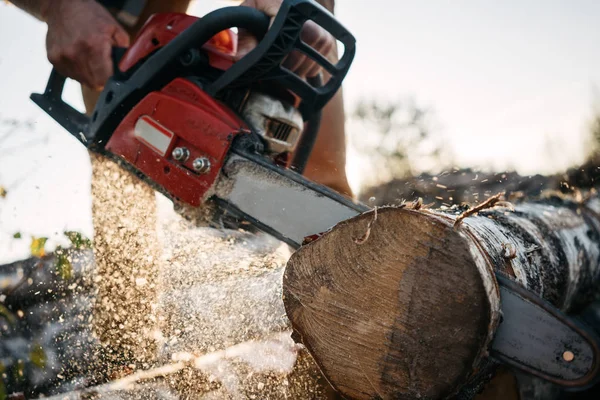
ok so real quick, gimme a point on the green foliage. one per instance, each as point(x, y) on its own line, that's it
point(17, 235)
point(37, 356)
point(595, 128)
point(593, 139)
point(38, 246)
point(64, 268)
point(8, 315)
point(3, 394)
point(595, 133)
point(78, 240)
point(19, 371)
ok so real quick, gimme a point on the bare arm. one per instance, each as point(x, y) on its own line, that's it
point(80, 36)
point(327, 164)
point(328, 4)
point(37, 8)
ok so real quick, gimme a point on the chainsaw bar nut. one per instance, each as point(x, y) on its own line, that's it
point(201, 165)
point(180, 154)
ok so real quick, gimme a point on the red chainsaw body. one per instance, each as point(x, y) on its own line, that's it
point(160, 29)
point(180, 115)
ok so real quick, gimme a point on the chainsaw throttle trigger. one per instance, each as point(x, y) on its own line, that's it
point(264, 63)
point(117, 54)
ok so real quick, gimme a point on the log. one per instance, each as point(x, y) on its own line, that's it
point(402, 302)
point(470, 186)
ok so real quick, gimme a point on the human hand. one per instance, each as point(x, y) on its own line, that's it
point(81, 34)
point(312, 34)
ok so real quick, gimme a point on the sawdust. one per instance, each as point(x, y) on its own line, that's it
point(169, 285)
point(198, 216)
point(126, 252)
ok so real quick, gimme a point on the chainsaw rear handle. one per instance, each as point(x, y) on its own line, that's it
point(52, 103)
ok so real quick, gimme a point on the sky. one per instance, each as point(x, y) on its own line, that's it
point(511, 85)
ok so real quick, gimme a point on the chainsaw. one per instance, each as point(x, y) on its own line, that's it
point(201, 128)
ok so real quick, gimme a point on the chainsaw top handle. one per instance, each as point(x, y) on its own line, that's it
point(123, 91)
point(264, 63)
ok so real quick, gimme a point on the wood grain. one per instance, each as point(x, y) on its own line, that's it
point(403, 315)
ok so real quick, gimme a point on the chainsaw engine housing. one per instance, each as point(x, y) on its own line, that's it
point(179, 136)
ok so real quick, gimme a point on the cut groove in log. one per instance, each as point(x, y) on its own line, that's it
point(410, 311)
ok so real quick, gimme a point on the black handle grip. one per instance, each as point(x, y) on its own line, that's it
point(264, 62)
point(116, 55)
point(52, 103)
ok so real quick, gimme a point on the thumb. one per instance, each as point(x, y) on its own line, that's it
point(120, 37)
point(246, 43)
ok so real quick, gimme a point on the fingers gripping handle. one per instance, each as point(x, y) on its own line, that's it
point(52, 103)
point(116, 55)
point(265, 61)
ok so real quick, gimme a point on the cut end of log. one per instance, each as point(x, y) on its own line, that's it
point(402, 314)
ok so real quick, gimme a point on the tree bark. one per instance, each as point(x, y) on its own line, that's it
point(402, 302)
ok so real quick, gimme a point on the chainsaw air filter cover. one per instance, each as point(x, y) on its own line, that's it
point(279, 124)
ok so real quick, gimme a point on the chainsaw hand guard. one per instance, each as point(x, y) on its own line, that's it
point(52, 103)
point(264, 63)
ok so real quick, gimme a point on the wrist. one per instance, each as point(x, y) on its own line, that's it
point(45, 6)
point(328, 4)
point(48, 7)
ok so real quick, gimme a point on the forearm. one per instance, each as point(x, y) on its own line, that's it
point(37, 8)
point(328, 4)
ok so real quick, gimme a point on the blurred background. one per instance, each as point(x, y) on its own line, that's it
point(436, 87)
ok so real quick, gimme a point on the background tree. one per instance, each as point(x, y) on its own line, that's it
point(398, 138)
